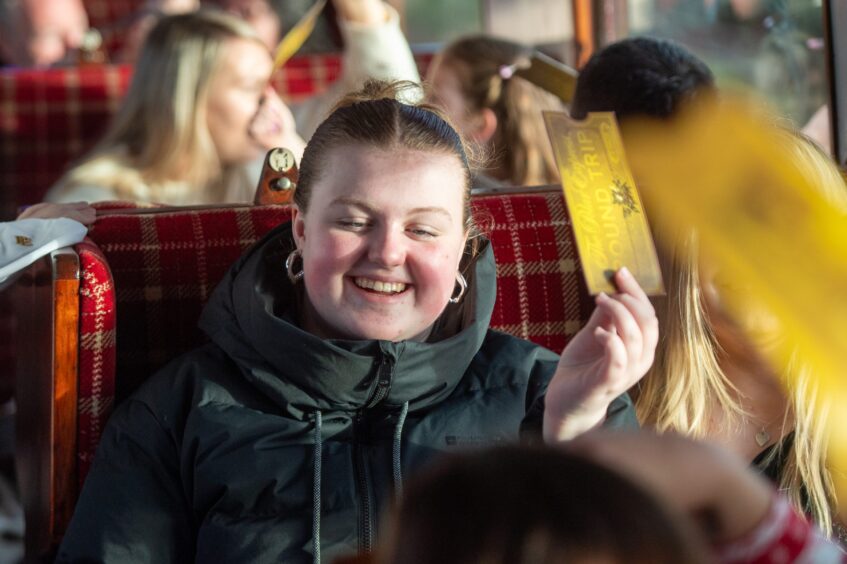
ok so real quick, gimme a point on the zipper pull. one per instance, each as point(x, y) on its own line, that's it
point(384, 376)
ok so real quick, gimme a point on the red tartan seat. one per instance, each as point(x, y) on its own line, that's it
point(146, 274)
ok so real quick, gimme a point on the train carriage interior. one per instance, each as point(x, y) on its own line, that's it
point(203, 136)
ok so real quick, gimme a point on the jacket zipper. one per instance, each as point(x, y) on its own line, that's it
point(385, 375)
point(365, 517)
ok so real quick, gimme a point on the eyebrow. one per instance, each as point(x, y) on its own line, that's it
point(372, 210)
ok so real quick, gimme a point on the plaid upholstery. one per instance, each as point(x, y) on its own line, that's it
point(96, 351)
point(541, 294)
point(47, 118)
point(50, 117)
point(165, 265)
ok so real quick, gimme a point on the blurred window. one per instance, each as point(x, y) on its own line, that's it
point(774, 46)
point(440, 21)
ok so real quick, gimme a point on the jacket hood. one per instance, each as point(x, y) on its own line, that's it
point(251, 314)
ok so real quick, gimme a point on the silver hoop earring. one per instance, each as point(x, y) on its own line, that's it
point(463, 286)
point(289, 266)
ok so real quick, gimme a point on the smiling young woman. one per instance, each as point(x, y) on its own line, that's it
point(348, 348)
point(386, 253)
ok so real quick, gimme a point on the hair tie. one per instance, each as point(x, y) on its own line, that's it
point(507, 71)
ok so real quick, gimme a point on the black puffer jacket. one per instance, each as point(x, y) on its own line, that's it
point(214, 458)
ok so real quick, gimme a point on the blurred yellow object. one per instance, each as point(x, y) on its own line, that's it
point(722, 170)
point(298, 35)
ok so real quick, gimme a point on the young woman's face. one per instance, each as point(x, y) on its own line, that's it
point(235, 94)
point(381, 243)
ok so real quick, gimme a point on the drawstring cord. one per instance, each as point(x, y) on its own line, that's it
point(316, 490)
point(398, 436)
point(316, 494)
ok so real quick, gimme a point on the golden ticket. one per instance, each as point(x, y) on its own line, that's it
point(608, 218)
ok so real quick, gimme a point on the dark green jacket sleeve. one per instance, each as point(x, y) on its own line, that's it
point(620, 415)
point(132, 507)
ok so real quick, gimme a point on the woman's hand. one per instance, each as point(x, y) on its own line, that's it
point(80, 211)
point(716, 489)
point(607, 357)
point(273, 125)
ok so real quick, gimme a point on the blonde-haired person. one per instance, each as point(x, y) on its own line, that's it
point(199, 111)
point(710, 378)
point(473, 78)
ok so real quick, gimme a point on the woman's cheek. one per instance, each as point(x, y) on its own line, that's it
point(329, 255)
point(439, 275)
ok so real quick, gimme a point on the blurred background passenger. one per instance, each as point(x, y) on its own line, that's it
point(198, 112)
point(40, 32)
point(473, 79)
point(610, 497)
point(521, 505)
point(374, 47)
point(710, 379)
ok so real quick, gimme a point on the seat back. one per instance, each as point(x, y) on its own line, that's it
point(48, 117)
point(146, 274)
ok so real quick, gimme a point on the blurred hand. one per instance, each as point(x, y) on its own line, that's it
point(273, 125)
point(607, 357)
point(722, 495)
point(79, 211)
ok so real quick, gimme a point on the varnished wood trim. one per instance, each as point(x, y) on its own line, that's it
point(583, 30)
point(46, 308)
point(65, 369)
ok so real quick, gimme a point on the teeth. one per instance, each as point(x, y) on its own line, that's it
point(377, 286)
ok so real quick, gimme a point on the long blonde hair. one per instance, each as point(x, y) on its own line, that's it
point(687, 384)
point(158, 143)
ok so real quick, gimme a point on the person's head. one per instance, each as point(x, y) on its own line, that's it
point(472, 79)
point(40, 32)
point(640, 76)
point(258, 13)
point(382, 216)
point(531, 505)
point(198, 83)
